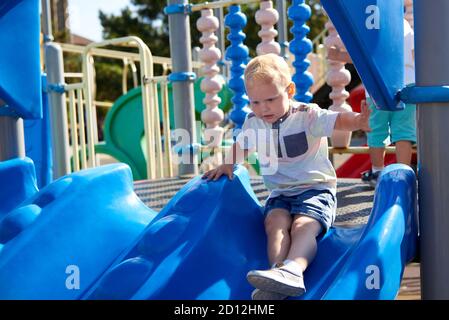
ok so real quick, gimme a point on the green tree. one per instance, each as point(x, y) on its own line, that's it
point(146, 19)
point(317, 20)
point(151, 24)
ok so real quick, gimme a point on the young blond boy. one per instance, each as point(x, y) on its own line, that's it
point(302, 203)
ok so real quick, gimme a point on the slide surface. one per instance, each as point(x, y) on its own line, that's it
point(56, 242)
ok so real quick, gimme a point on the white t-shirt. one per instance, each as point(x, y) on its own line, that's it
point(409, 47)
point(409, 61)
point(293, 151)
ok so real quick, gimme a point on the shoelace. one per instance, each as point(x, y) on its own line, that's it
point(278, 265)
point(281, 270)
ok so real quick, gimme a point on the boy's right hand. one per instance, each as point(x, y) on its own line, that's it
point(216, 173)
point(364, 116)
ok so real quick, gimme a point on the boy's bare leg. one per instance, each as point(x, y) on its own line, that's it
point(377, 156)
point(277, 228)
point(404, 152)
point(287, 280)
point(303, 233)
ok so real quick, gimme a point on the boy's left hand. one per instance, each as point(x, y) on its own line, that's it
point(363, 117)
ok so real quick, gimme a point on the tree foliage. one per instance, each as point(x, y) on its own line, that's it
point(146, 19)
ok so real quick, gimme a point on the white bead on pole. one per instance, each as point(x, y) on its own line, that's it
point(212, 83)
point(267, 17)
point(338, 77)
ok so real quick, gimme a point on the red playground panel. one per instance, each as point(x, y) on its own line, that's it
point(356, 96)
point(358, 163)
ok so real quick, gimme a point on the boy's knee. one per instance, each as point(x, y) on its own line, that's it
point(306, 224)
point(277, 219)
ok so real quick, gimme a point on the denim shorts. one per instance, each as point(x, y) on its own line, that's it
point(320, 205)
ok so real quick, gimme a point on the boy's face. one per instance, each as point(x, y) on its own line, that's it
point(269, 101)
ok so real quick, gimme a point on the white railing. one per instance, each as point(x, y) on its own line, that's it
point(77, 126)
point(81, 104)
point(167, 161)
point(118, 54)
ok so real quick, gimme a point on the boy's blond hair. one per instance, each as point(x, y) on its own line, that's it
point(268, 68)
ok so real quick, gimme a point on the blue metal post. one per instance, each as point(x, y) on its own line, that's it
point(300, 46)
point(237, 52)
point(282, 26)
point(54, 65)
point(184, 108)
point(57, 110)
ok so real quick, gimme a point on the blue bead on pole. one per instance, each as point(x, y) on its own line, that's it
point(237, 52)
point(300, 46)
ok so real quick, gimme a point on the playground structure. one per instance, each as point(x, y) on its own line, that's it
point(77, 142)
point(124, 133)
point(153, 260)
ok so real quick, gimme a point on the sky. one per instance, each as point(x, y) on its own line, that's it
point(84, 19)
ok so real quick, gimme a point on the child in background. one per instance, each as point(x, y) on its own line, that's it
point(400, 125)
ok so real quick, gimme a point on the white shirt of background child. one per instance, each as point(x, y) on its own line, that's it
point(409, 61)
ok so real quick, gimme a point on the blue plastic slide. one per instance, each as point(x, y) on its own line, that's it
point(56, 242)
point(202, 244)
point(18, 183)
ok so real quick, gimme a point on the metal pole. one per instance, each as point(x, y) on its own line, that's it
point(12, 142)
point(432, 69)
point(46, 21)
point(180, 48)
point(221, 37)
point(58, 112)
point(282, 26)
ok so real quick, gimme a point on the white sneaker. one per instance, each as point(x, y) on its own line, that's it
point(279, 280)
point(258, 294)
